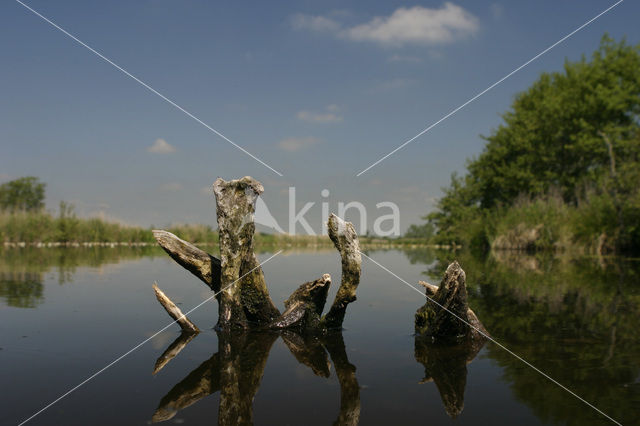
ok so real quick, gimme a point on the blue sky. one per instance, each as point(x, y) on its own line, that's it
point(317, 90)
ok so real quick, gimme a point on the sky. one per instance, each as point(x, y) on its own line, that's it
point(318, 91)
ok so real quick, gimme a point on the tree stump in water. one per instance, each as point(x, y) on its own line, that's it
point(243, 297)
point(304, 306)
point(448, 337)
point(245, 308)
point(344, 237)
point(446, 315)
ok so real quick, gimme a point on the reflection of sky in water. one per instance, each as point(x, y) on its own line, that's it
point(83, 317)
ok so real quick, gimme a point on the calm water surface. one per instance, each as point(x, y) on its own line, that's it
point(66, 313)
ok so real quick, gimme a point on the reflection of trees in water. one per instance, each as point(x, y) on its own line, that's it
point(22, 270)
point(420, 255)
point(237, 368)
point(21, 289)
point(574, 318)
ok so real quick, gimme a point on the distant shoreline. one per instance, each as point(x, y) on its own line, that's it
point(289, 243)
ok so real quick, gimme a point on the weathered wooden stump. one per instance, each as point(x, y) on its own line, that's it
point(448, 333)
point(304, 306)
point(448, 337)
point(344, 237)
point(446, 315)
point(243, 297)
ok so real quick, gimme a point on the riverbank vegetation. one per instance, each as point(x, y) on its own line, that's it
point(562, 171)
point(43, 228)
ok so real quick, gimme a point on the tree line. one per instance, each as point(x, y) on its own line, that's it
point(562, 170)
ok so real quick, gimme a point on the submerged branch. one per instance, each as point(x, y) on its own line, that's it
point(174, 312)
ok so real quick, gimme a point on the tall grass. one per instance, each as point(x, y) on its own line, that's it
point(43, 227)
point(598, 222)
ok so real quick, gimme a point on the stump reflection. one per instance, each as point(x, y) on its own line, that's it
point(446, 366)
point(237, 368)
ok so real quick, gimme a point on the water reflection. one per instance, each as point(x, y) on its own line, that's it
point(21, 289)
point(574, 318)
point(22, 270)
point(237, 368)
point(446, 366)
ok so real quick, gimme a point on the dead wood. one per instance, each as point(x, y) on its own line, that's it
point(446, 314)
point(198, 262)
point(174, 312)
point(344, 237)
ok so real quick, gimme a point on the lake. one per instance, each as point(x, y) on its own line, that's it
point(65, 313)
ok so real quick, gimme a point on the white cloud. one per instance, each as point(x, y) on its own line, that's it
point(297, 144)
point(330, 115)
point(160, 146)
point(171, 187)
point(415, 25)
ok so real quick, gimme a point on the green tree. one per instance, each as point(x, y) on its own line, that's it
point(67, 223)
point(552, 136)
point(562, 135)
point(23, 194)
point(424, 232)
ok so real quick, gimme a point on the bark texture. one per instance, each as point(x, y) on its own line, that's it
point(450, 316)
point(243, 299)
point(444, 344)
point(198, 262)
point(258, 306)
point(304, 306)
point(237, 278)
point(345, 239)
